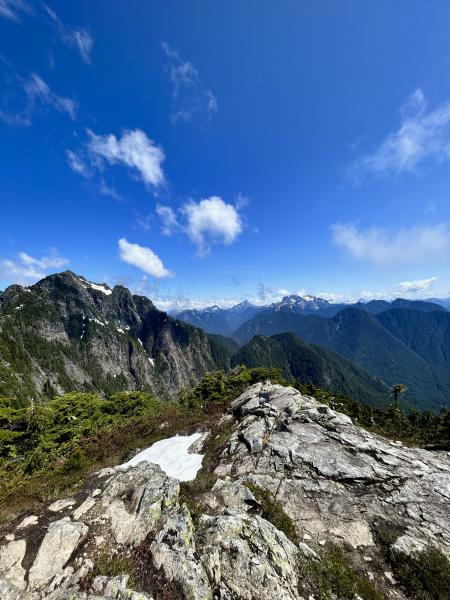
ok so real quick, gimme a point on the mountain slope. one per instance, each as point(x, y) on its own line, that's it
point(427, 334)
point(362, 338)
point(378, 306)
point(65, 333)
point(312, 364)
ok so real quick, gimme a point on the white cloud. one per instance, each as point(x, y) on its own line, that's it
point(77, 164)
point(416, 287)
point(190, 97)
point(168, 218)
point(108, 190)
point(284, 292)
point(212, 221)
point(142, 258)
point(80, 39)
point(207, 222)
point(39, 93)
point(132, 149)
point(382, 247)
point(11, 9)
point(53, 261)
point(332, 297)
point(423, 137)
point(29, 95)
point(28, 269)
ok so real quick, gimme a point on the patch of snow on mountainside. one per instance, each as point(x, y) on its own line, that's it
point(101, 288)
point(96, 286)
point(172, 456)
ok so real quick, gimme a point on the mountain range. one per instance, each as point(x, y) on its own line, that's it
point(225, 321)
point(396, 345)
point(66, 333)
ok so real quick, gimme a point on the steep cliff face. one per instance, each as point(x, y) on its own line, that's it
point(302, 504)
point(65, 333)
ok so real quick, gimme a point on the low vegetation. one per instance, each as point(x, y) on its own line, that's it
point(272, 511)
point(424, 576)
point(48, 449)
point(334, 576)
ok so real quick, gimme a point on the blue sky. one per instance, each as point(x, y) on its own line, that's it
point(204, 152)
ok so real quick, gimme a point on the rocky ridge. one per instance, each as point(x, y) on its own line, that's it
point(65, 333)
point(336, 482)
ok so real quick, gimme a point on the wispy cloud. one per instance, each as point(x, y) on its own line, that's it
point(416, 287)
point(132, 149)
point(23, 97)
point(77, 38)
point(12, 9)
point(143, 258)
point(39, 92)
point(77, 165)
point(169, 221)
point(382, 246)
point(190, 97)
point(422, 138)
point(207, 222)
point(27, 269)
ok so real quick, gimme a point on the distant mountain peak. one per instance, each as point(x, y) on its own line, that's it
point(295, 302)
point(242, 305)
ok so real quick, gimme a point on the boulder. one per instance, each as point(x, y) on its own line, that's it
point(58, 545)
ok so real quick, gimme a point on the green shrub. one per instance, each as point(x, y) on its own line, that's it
point(76, 461)
point(425, 576)
point(272, 511)
point(335, 577)
point(112, 565)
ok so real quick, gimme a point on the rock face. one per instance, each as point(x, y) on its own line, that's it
point(332, 478)
point(65, 333)
point(337, 482)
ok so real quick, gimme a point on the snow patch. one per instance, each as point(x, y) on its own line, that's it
point(99, 322)
point(100, 288)
point(140, 341)
point(95, 286)
point(172, 456)
point(120, 330)
point(151, 360)
point(19, 307)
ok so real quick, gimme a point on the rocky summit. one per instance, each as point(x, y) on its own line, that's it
point(301, 498)
point(66, 333)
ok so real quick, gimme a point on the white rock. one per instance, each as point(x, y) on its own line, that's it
point(31, 520)
point(83, 508)
point(61, 504)
point(307, 551)
point(60, 541)
point(389, 576)
point(11, 557)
